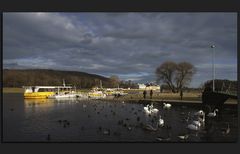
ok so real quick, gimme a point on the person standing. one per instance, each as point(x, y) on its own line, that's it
point(151, 93)
point(144, 94)
point(181, 94)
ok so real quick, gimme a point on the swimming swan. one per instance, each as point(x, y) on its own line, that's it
point(167, 105)
point(160, 122)
point(213, 114)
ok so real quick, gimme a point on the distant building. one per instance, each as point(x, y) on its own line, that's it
point(156, 87)
point(141, 86)
point(149, 86)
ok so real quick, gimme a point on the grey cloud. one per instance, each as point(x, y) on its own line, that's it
point(120, 43)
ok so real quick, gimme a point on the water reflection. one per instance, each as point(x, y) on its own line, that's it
point(38, 103)
point(98, 120)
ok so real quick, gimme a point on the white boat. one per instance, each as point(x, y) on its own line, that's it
point(64, 92)
point(96, 94)
point(63, 95)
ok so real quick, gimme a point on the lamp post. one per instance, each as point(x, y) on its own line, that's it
point(213, 67)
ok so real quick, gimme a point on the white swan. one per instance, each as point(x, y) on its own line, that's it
point(183, 137)
point(160, 122)
point(149, 109)
point(197, 123)
point(226, 131)
point(199, 113)
point(155, 110)
point(193, 127)
point(167, 105)
point(213, 114)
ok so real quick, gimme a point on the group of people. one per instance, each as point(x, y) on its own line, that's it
point(151, 94)
point(145, 93)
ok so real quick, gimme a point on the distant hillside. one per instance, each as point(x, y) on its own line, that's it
point(19, 78)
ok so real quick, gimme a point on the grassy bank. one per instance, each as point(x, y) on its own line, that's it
point(13, 90)
point(137, 95)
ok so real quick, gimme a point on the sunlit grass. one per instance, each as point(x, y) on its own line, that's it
point(13, 90)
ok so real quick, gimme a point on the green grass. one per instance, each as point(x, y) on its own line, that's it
point(13, 90)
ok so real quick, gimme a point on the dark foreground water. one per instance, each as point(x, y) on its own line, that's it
point(107, 121)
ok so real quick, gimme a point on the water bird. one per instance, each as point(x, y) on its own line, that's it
point(197, 123)
point(167, 105)
point(149, 109)
point(160, 122)
point(168, 138)
point(60, 121)
point(226, 131)
point(138, 118)
point(150, 127)
point(213, 114)
point(199, 113)
point(106, 132)
point(129, 128)
point(48, 137)
point(84, 106)
point(193, 127)
point(183, 137)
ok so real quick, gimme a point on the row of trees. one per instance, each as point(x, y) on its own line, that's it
point(19, 78)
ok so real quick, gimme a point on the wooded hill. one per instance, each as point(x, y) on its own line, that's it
point(45, 77)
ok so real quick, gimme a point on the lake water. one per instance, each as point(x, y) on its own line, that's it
point(46, 120)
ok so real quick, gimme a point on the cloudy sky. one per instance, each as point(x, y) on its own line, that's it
point(130, 45)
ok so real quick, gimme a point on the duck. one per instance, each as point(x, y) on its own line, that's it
point(48, 137)
point(213, 114)
point(160, 122)
point(167, 105)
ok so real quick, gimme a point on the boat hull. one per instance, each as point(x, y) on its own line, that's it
point(37, 95)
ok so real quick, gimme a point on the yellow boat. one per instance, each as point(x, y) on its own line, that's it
point(42, 91)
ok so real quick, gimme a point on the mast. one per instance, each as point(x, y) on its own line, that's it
point(101, 84)
point(64, 83)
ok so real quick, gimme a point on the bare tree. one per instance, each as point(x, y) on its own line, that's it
point(184, 74)
point(176, 76)
point(166, 73)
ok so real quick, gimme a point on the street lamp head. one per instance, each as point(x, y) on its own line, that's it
point(212, 46)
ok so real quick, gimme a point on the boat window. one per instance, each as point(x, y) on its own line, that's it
point(41, 90)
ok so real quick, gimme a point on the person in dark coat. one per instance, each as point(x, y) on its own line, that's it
point(181, 94)
point(151, 93)
point(144, 94)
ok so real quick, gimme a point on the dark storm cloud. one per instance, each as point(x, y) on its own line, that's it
point(130, 45)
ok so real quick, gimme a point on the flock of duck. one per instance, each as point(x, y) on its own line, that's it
point(156, 116)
